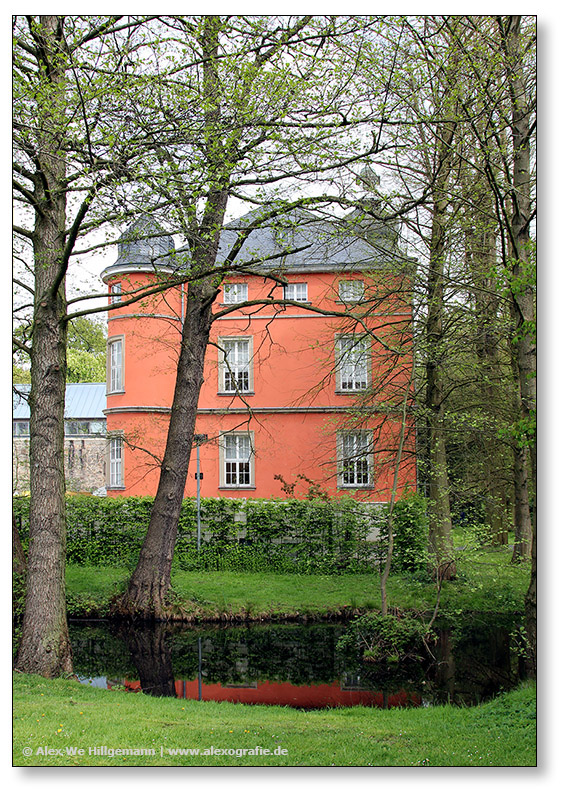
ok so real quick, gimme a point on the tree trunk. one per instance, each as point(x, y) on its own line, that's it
point(522, 513)
point(439, 511)
point(146, 593)
point(45, 646)
point(531, 612)
point(522, 281)
point(390, 518)
point(481, 254)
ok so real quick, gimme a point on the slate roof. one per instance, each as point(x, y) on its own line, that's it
point(144, 243)
point(355, 242)
point(297, 240)
point(83, 401)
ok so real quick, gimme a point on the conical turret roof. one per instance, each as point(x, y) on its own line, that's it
point(144, 241)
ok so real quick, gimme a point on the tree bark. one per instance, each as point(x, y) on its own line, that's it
point(481, 256)
point(439, 511)
point(146, 593)
point(45, 646)
point(522, 522)
point(148, 586)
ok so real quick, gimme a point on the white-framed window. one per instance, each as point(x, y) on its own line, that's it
point(234, 293)
point(352, 362)
point(21, 428)
point(237, 460)
point(116, 471)
point(351, 290)
point(296, 291)
point(115, 293)
point(355, 458)
point(115, 363)
point(235, 364)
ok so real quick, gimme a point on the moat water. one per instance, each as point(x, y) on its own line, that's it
point(294, 664)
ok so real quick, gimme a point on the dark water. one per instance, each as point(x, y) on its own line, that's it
point(294, 665)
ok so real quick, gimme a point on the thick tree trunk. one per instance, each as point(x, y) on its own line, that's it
point(146, 593)
point(45, 646)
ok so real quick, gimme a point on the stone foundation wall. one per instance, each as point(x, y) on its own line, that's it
point(84, 462)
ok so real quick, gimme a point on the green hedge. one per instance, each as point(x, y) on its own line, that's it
point(281, 535)
point(411, 534)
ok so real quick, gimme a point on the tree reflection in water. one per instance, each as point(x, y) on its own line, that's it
point(297, 665)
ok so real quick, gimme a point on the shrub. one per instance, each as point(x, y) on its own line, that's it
point(386, 637)
point(410, 529)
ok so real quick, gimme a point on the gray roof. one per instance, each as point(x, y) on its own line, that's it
point(145, 242)
point(297, 240)
point(355, 242)
point(83, 401)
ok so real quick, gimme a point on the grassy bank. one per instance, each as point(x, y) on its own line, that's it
point(486, 582)
point(56, 715)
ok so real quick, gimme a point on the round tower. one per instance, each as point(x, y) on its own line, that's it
point(144, 327)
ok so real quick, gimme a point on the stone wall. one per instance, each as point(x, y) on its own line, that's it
point(84, 460)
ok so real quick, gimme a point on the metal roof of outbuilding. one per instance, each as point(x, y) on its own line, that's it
point(83, 401)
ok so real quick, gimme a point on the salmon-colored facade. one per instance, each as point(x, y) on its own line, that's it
point(283, 382)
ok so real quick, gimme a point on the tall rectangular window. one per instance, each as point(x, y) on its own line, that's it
point(115, 363)
point(115, 293)
point(237, 460)
point(351, 290)
point(352, 362)
point(235, 363)
point(116, 478)
point(235, 293)
point(355, 458)
point(296, 291)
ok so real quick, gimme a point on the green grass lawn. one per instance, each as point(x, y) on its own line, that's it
point(487, 581)
point(53, 717)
